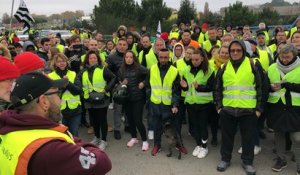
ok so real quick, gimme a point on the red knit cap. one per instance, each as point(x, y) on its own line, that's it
point(164, 36)
point(204, 26)
point(28, 62)
point(8, 70)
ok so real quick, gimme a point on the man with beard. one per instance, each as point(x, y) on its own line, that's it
point(187, 40)
point(31, 134)
point(114, 62)
point(212, 41)
point(145, 49)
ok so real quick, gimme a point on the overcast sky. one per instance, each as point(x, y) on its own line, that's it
point(56, 6)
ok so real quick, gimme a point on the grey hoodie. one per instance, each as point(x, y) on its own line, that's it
point(174, 58)
point(27, 44)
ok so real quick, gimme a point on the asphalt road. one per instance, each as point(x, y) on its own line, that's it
point(133, 161)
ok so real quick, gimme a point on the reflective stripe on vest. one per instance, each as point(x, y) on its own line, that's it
point(98, 82)
point(291, 77)
point(18, 147)
point(161, 91)
point(67, 98)
point(239, 87)
point(192, 96)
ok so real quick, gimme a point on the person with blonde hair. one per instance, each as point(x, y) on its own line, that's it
point(70, 95)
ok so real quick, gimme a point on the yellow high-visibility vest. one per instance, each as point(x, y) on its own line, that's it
point(161, 91)
point(239, 87)
point(291, 77)
point(207, 45)
point(98, 82)
point(18, 147)
point(192, 96)
point(67, 99)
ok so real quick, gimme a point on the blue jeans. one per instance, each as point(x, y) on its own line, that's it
point(72, 123)
point(149, 111)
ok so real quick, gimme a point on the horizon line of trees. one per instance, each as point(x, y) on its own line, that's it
point(109, 14)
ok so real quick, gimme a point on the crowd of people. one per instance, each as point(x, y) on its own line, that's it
point(206, 76)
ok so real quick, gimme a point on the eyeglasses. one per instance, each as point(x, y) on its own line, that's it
point(236, 50)
point(50, 93)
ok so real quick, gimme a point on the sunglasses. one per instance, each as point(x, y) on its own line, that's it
point(236, 50)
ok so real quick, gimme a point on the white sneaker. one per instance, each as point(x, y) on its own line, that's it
point(95, 141)
point(103, 144)
point(196, 151)
point(150, 135)
point(240, 151)
point(145, 146)
point(111, 106)
point(257, 150)
point(203, 152)
point(132, 142)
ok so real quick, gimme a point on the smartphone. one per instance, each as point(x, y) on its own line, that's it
point(78, 46)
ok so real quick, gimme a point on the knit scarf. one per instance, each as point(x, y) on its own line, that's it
point(219, 61)
point(285, 69)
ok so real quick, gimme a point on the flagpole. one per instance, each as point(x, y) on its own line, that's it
point(11, 17)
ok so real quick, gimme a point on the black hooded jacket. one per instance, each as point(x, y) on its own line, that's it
point(134, 76)
point(218, 92)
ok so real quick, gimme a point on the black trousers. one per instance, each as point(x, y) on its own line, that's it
point(247, 127)
point(180, 116)
point(83, 113)
point(99, 118)
point(199, 120)
point(134, 113)
point(214, 121)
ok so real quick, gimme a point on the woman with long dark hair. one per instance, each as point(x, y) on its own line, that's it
point(97, 81)
point(133, 75)
point(198, 80)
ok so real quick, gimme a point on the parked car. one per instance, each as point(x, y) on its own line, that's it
point(65, 34)
point(23, 37)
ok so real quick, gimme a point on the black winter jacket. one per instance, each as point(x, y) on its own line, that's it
point(218, 92)
point(134, 76)
point(114, 61)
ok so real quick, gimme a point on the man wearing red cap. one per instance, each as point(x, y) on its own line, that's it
point(203, 34)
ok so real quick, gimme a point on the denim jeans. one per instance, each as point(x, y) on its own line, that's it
point(72, 123)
